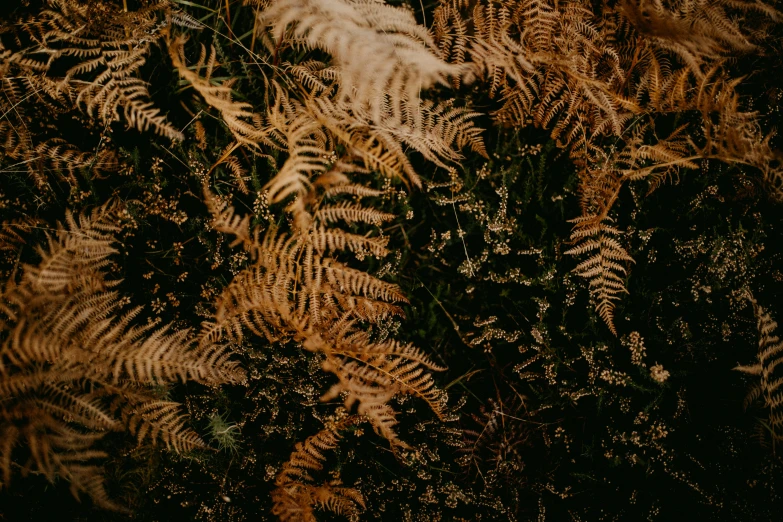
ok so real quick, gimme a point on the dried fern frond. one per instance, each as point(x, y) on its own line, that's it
point(378, 49)
point(110, 46)
point(436, 130)
point(293, 280)
point(351, 213)
point(307, 158)
point(50, 156)
point(74, 366)
point(79, 249)
point(296, 496)
point(599, 75)
point(161, 421)
point(12, 233)
point(698, 34)
point(604, 175)
point(291, 285)
point(733, 135)
point(371, 373)
point(770, 385)
point(369, 97)
point(233, 165)
point(604, 268)
point(247, 127)
point(297, 290)
point(315, 76)
point(569, 66)
point(22, 151)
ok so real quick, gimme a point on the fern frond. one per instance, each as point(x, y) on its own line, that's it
point(604, 268)
point(164, 421)
point(352, 213)
point(13, 232)
point(296, 289)
point(375, 46)
point(436, 130)
point(70, 356)
point(226, 221)
point(770, 386)
point(307, 158)
point(295, 496)
point(335, 239)
point(110, 46)
point(246, 126)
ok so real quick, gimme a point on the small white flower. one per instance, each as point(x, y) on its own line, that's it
point(658, 373)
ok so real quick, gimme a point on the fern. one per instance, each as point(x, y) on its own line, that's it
point(569, 67)
point(376, 48)
point(769, 389)
point(111, 47)
point(246, 126)
point(296, 290)
point(604, 267)
point(71, 358)
point(436, 130)
point(296, 496)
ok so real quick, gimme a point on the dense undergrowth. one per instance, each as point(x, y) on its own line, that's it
point(493, 382)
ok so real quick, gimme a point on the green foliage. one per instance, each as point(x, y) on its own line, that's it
point(224, 433)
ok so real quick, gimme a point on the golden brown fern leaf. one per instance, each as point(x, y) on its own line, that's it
point(77, 251)
point(23, 150)
point(296, 289)
point(231, 163)
point(111, 46)
point(365, 101)
point(603, 175)
point(74, 366)
point(436, 130)
point(247, 127)
point(371, 373)
point(350, 212)
point(66, 161)
point(379, 49)
point(292, 286)
point(307, 158)
point(315, 76)
point(12, 233)
point(770, 385)
point(602, 178)
point(698, 32)
point(559, 64)
point(258, 298)
point(604, 268)
point(542, 57)
point(294, 281)
point(599, 76)
point(378, 125)
point(297, 496)
point(452, 34)
point(163, 421)
point(496, 52)
point(374, 119)
point(733, 135)
point(378, 151)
